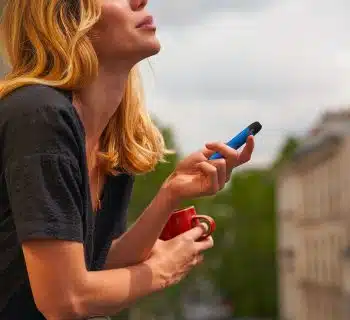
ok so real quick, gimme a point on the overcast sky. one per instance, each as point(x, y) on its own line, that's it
point(227, 63)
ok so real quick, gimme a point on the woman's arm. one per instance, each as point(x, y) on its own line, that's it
point(64, 289)
point(135, 245)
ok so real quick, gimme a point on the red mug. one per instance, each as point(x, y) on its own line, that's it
point(185, 219)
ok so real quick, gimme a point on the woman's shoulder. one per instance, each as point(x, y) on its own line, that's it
point(30, 98)
point(36, 91)
point(39, 104)
point(38, 119)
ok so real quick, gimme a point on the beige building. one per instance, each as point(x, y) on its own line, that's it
point(313, 197)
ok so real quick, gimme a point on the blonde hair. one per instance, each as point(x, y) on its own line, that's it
point(47, 42)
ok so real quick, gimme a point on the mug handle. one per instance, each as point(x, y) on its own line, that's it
point(209, 221)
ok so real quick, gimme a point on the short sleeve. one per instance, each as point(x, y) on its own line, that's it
point(43, 179)
point(45, 198)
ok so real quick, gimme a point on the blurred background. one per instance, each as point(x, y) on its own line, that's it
point(282, 244)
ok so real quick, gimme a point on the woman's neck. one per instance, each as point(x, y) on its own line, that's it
point(97, 102)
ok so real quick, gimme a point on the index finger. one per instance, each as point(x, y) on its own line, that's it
point(204, 244)
point(247, 151)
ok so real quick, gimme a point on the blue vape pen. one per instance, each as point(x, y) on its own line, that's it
point(241, 138)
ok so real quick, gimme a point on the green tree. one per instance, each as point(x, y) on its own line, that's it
point(242, 264)
point(287, 150)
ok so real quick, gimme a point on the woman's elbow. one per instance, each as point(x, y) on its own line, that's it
point(60, 308)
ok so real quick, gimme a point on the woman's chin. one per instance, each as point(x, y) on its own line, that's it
point(152, 48)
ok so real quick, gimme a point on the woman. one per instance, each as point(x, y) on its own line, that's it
point(74, 133)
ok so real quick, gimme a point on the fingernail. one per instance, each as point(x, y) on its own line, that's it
point(205, 226)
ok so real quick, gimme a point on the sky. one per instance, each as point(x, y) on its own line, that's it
point(227, 63)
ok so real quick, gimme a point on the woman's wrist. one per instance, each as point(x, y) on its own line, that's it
point(169, 195)
point(159, 279)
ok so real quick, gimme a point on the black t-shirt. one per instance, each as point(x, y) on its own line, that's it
point(44, 190)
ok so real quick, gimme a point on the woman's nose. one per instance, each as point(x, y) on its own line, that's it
point(138, 4)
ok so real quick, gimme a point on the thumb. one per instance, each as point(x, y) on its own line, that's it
point(196, 232)
point(207, 152)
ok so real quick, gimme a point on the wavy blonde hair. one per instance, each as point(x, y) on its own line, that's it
point(47, 42)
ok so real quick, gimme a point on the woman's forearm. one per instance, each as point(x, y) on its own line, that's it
point(135, 245)
point(108, 292)
point(64, 289)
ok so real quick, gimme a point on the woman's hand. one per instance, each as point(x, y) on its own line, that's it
point(196, 176)
point(172, 260)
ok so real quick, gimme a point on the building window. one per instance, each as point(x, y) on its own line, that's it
point(323, 274)
point(332, 259)
point(315, 260)
point(307, 259)
point(325, 191)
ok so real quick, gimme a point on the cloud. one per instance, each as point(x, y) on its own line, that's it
point(183, 13)
point(281, 63)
